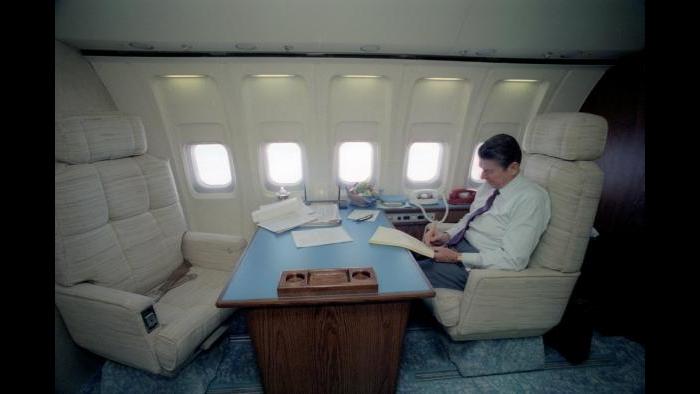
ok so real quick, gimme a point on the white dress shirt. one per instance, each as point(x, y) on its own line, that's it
point(507, 234)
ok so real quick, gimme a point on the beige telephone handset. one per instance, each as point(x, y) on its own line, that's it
point(424, 197)
point(428, 197)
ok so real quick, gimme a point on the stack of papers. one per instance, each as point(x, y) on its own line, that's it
point(328, 213)
point(284, 215)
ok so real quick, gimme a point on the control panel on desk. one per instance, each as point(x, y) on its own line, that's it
point(406, 217)
point(413, 215)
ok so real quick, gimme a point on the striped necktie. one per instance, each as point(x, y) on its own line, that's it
point(458, 237)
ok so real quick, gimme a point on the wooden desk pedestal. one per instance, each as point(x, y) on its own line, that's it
point(331, 348)
point(327, 319)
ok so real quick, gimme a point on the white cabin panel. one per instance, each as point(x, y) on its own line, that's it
point(194, 112)
point(276, 109)
point(357, 103)
point(437, 114)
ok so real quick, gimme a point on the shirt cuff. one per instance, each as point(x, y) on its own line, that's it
point(471, 259)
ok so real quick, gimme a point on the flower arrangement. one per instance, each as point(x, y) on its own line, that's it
point(362, 194)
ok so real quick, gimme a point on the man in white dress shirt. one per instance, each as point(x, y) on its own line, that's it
point(504, 225)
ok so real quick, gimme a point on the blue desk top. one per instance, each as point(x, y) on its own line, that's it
point(254, 282)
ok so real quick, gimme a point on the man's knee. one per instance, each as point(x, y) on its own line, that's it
point(426, 265)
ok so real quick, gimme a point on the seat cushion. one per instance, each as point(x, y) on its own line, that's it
point(445, 306)
point(118, 223)
point(187, 315)
point(574, 190)
point(91, 138)
point(566, 135)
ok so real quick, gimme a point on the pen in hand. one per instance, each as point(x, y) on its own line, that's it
point(431, 236)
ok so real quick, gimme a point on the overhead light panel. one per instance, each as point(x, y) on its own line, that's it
point(183, 76)
point(444, 79)
point(521, 80)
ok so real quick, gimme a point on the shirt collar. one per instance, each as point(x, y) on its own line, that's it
point(511, 186)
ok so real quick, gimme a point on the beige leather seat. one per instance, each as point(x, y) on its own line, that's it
point(119, 233)
point(559, 152)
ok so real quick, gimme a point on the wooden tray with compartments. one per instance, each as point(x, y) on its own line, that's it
point(299, 283)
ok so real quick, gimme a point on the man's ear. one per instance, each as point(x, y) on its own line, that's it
point(513, 167)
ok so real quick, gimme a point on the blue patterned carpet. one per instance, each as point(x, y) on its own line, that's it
point(431, 363)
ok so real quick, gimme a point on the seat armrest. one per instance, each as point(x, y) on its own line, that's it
point(93, 313)
point(498, 300)
point(500, 283)
point(121, 303)
point(476, 275)
point(214, 251)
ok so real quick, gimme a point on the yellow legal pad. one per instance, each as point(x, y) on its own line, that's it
point(394, 237)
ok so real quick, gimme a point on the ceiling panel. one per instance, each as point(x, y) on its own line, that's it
point(503, 28)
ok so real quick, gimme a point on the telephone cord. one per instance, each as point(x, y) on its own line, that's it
point(425, 215)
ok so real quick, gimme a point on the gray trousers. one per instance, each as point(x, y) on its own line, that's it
point(448, 275)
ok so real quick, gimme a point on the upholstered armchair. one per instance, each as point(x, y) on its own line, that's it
point(119, 233)
point(559, 149)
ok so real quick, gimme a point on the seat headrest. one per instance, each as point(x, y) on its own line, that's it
point(90, 138)
point(567, 135)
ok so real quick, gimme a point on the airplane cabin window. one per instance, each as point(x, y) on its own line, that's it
point(424, 162)
point(475, 170)
point(211, 166)
point(355, 163)
point(283, 161)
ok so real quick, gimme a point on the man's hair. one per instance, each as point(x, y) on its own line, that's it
point(502, 148)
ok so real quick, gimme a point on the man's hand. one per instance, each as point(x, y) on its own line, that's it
point(433, 237)
point(446, 255)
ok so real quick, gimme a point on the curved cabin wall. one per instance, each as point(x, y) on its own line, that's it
point(77, 89)
point(244, 103)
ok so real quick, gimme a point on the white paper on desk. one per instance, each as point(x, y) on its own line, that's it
point(284, 215)
point(328, 213)
point(360, 213)
point(321, 236)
